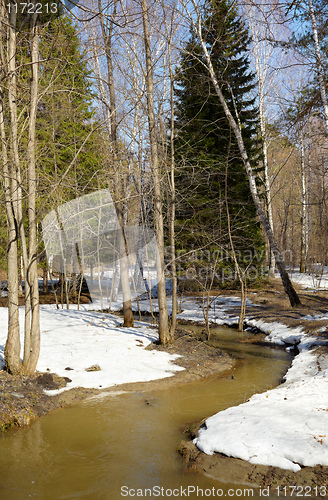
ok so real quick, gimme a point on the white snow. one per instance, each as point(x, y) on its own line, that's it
point(80, 339)
point(219, 312)
point(278, 333)
point(316, 279)
point(285, 427)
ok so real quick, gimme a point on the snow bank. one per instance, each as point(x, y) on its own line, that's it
point(286, 427)
point(318, 279)
point(218, 313)
point(73, 341)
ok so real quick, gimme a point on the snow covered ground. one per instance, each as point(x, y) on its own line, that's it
point(317, 279)
point(219, 311)
point(80, 339)
point(285, 427)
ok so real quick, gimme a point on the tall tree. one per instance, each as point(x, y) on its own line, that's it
point(264, 22)
point(196, 21)
point(165, 335)
point(204, 141)
point(319, 56)
point(310, 39)
point(119, 194)
point(13, 173)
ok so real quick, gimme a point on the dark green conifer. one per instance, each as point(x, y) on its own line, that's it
point(205, 145)
point(66, 115)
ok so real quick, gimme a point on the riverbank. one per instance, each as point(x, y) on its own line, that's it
point(287, 425)
point(267, 307)
point(23, 399)
point(308, 482)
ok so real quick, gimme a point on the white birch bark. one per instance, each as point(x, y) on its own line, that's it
point(262, 52)
point(304, 207)
point(322, 83)
point(13, 196)
point(163, 330)
point(197, 27)
point(32, 330)
point(309, 201)
point(13, 346)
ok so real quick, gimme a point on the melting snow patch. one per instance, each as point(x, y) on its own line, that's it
point(286, 427)
point(81, 339)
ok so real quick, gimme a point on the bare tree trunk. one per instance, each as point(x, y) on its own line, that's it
point(32, 336)
point(124, 270)
point(257, 18)
point(172, 188)
point(45, 280)
point(308, 222)
point(322, 84)
point(115, 280)
point(239, 271)
point(16, 179)
point(289, 289)
point(13, 196)
point(165, 336)
point(13, 346)
point(118, 198)
point(266, 174)
point(304, 207)
point(172, 240)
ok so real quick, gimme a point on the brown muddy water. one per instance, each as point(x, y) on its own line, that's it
point(124, 446)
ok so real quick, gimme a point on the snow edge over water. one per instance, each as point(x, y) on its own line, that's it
point(285, 427)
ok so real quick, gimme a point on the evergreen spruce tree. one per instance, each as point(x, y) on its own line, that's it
point(206, 149)
point(66, 115)
point(66, 119)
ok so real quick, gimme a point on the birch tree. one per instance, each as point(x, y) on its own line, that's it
point(165, 335)
point(12, 177)
point(263, 18)
point(304, 218)
point(319, 64)
point(310, 40)
point(194, 16)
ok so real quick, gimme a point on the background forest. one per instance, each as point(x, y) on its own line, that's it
point(207, 121)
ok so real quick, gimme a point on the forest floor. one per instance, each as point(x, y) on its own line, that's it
point(23, 399)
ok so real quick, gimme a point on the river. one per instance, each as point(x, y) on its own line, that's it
point(118, 446)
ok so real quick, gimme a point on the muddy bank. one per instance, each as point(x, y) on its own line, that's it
point(22, 399)
point(271, 304)
point(310, 481)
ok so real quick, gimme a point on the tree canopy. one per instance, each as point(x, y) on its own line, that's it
point(206, 149)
